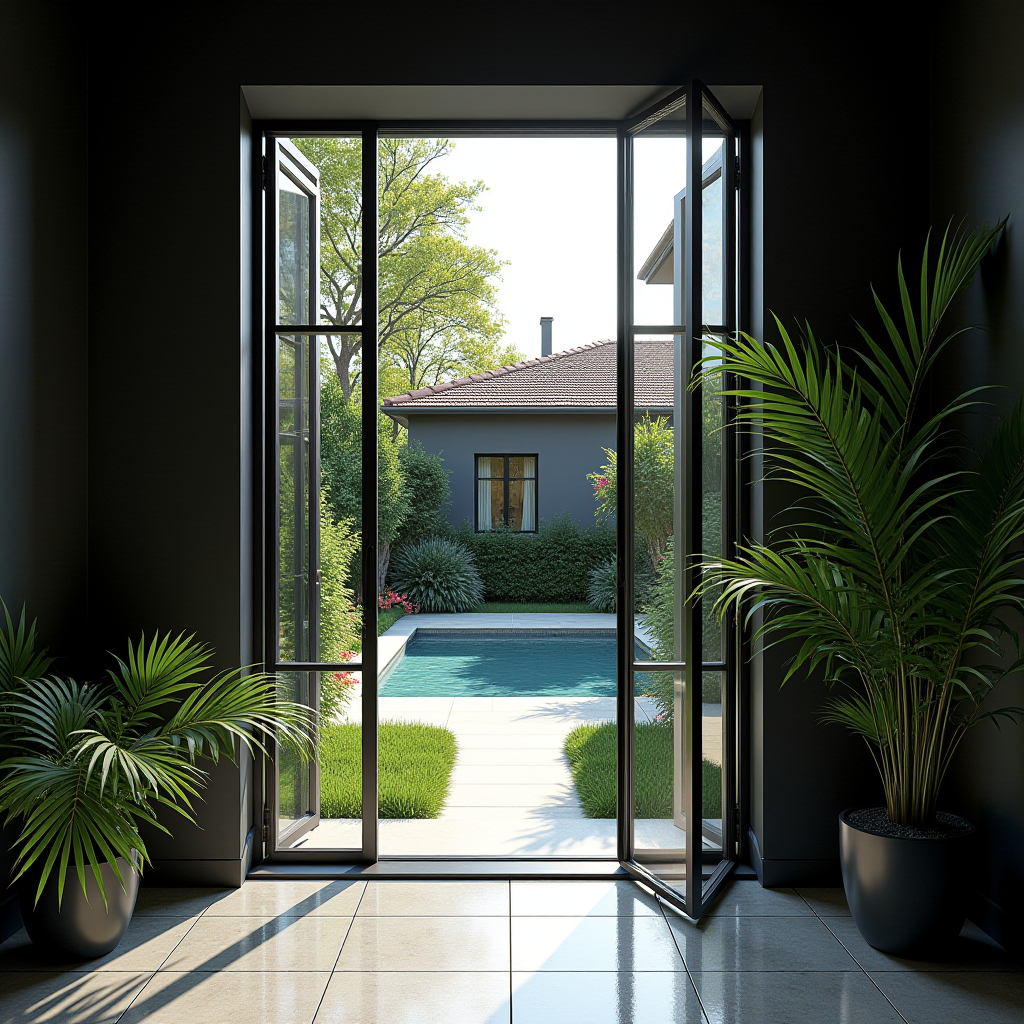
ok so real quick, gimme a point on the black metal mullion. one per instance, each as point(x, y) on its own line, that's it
point(625, 735)
point(370, 844)
point(692, 485)
point(268, 811)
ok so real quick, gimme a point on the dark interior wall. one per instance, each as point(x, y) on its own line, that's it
point(977, 158)
point(43, 320)
point(167, 442)
point(43, 336)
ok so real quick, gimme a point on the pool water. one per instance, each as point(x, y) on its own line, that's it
point(504, 664)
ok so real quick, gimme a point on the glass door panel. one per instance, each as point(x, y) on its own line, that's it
point(318, 583)
point(679, 244)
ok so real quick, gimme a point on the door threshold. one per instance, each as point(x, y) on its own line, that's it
point(432, 869)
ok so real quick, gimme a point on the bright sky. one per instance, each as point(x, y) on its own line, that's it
point(550, 211)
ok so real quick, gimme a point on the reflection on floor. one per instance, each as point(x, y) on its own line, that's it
point(489, 952)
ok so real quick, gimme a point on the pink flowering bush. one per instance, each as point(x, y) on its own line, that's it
point(389, 599)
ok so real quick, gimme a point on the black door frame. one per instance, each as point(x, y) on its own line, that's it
point(693, 898)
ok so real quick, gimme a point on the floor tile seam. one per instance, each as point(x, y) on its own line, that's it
point(170, 952)
point(131, 1002)
point(705, 1016)
point(864, 971)
point(330, 974)
point(511, 986)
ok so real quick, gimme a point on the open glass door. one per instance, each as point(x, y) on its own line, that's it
point(321, 606)
point(677, 288)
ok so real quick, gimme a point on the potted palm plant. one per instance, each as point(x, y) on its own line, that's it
point(897, 581)
point(85, 764)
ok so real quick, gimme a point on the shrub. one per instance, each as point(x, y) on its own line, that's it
point(552, 566)
point(426, 482)
point(438, 574)
point(601, 594)
point(659, 617)
point(654, 484)
point(604, 585)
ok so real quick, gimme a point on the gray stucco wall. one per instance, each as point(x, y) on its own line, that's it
point(567, 446)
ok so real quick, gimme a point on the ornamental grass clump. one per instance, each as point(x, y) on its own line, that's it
point(901, 578)
point(437, 574)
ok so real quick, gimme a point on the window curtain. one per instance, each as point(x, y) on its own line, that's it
point(529, 495)
point(483, 494)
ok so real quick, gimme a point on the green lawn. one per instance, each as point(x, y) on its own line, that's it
point(591, 753)
point(415, 769)
point(386, 619)
point(500, 606)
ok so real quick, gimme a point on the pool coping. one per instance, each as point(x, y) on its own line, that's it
point(392, 642)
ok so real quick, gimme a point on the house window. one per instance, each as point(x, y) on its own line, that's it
point(506, 492)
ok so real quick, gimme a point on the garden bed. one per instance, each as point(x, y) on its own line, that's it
point(415, 770)
point(591, 750)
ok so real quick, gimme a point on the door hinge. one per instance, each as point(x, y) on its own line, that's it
point(736, 172)
point(736, 819)
point(265, 182)
point(266, 823)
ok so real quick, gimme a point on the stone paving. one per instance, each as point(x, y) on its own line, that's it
point(512, 792)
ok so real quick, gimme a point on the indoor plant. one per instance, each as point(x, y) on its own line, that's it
point(86, 763)
point(897, 580)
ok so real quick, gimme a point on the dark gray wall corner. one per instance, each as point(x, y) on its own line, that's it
point(977, 160)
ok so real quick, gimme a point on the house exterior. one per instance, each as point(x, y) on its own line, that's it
point(520, 440)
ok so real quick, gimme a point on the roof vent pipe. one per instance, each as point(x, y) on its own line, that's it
point(545, 335)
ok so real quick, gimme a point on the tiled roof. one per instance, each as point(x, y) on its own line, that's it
point(578, 378)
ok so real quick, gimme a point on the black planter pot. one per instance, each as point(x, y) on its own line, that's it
point(906, 895)
point(83, 928)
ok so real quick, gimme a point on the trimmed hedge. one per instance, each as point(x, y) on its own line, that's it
point(552, 565)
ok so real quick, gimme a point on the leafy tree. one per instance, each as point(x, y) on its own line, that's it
point(429, 494)
point(436, 291)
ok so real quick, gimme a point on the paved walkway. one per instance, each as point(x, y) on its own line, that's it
point(512, 792)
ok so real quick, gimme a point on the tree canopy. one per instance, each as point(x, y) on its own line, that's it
point(436, 292)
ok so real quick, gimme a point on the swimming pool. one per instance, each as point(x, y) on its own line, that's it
point(505, 663)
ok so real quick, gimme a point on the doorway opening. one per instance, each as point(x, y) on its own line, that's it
point(477, 343)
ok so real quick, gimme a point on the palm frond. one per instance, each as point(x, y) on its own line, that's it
point(155, 672)
point(19, 658)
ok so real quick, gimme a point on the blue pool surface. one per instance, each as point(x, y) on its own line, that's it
point(504, 664)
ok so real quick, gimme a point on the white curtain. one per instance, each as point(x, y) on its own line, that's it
point(529, 495)
point(483, 495)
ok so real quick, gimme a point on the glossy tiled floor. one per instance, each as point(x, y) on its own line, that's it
point(494, 952)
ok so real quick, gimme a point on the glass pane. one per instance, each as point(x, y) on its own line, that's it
point(339, 298)
point(294, 584)
point(713, 742)
point(530, 467)
point(294, 790)
point(293, 254)
point(490, 466)
point(659, 180)
point(515, 504)
point(658, 822)
point(713, 232)
point(340, 545)
point(713, 518)
point(516, 467)
point(657, 498)
point(339, 757)
point(659, 192)
point(497, 496)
